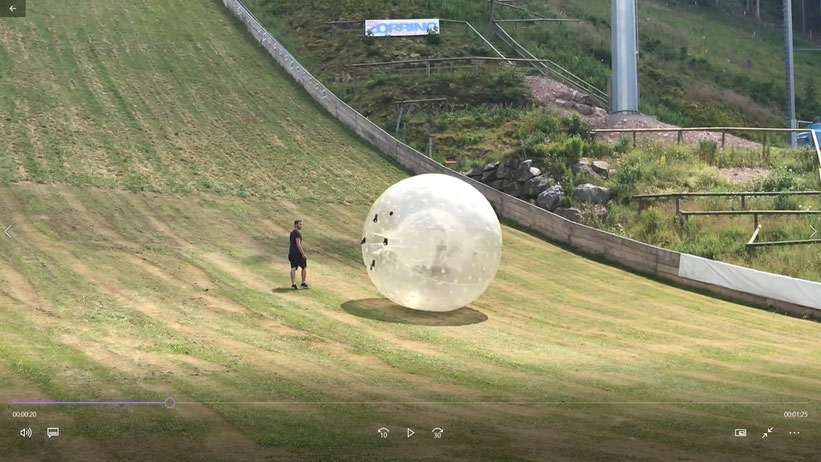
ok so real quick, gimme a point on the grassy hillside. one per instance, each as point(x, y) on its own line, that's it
point(699, 65)
point(153, 160)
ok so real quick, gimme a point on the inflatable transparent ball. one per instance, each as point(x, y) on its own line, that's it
point(432, 242)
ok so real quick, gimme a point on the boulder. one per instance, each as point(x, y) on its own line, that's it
point(488, 176)
point(514, 188)
point(502, 172)
point(572, 214)
point(592, 193)
point(535, 186)
point(491, 166)
point(512, 164)
point(525, 172)
point(579, 165)
point(497, 184)
point(599, 212)
point(549, 198)
point(584, 109)
point(584, 170)
point(582, 98)
point(601, 167)
point(475, 172)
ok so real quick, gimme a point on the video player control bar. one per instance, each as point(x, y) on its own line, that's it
point(12, 8)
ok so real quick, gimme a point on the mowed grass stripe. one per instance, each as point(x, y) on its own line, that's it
point(690, 383)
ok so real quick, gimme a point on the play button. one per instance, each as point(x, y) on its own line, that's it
point(410, 433)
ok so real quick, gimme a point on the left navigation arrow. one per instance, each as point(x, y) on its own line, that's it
point(7, 231)
point(12, 8)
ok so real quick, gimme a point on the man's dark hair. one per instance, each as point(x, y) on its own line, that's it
point(297, 221)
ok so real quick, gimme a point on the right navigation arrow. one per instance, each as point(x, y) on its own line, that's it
point(410, 433)
point(814, 231)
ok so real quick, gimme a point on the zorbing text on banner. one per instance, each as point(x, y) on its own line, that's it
point(400, 27)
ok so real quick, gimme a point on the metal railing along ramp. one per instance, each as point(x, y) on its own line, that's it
point(552, 70)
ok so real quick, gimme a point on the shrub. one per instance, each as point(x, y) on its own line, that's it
point(707, 150)
point(462, 164)
point(573, 149)
point(785, 203)
point(623, 145)
point(575, 126)
point(369, 38)
point(547, 124)
point(507, 78)
point(597, 150)
point(629, 173)
point(433, 37)
point(780, 179)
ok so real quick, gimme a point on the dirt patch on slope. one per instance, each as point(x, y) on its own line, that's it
point(560, 97)
point(742, 174)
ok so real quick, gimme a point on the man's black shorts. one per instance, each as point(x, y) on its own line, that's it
point(298, 261)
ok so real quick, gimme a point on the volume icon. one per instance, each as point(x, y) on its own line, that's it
point(25, 432)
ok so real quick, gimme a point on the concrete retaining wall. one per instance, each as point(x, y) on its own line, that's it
point(637, 256)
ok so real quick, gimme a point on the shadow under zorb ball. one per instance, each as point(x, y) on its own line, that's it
point(432, 242)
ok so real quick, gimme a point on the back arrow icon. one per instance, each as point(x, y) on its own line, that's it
point(7, 231)
point(12, 8)
point(410, 433)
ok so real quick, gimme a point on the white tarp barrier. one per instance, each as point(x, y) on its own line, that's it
point(774, 286)
point(400, 27)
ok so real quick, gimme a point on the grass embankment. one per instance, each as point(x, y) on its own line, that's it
point(655, 167)
point(480, 135)
point(153, 163)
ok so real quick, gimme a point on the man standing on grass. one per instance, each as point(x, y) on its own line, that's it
point(296, 255)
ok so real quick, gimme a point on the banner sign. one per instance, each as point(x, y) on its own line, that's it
point(400, 27)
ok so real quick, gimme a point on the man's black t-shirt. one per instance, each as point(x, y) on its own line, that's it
point(294, 250)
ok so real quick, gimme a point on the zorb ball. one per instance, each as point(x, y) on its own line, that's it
point(432, 242)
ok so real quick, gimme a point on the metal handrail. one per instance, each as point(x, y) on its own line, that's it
point(452, 58)
point(726, 194)
point(569, 77)
point(750, 212)
point(700, 129)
